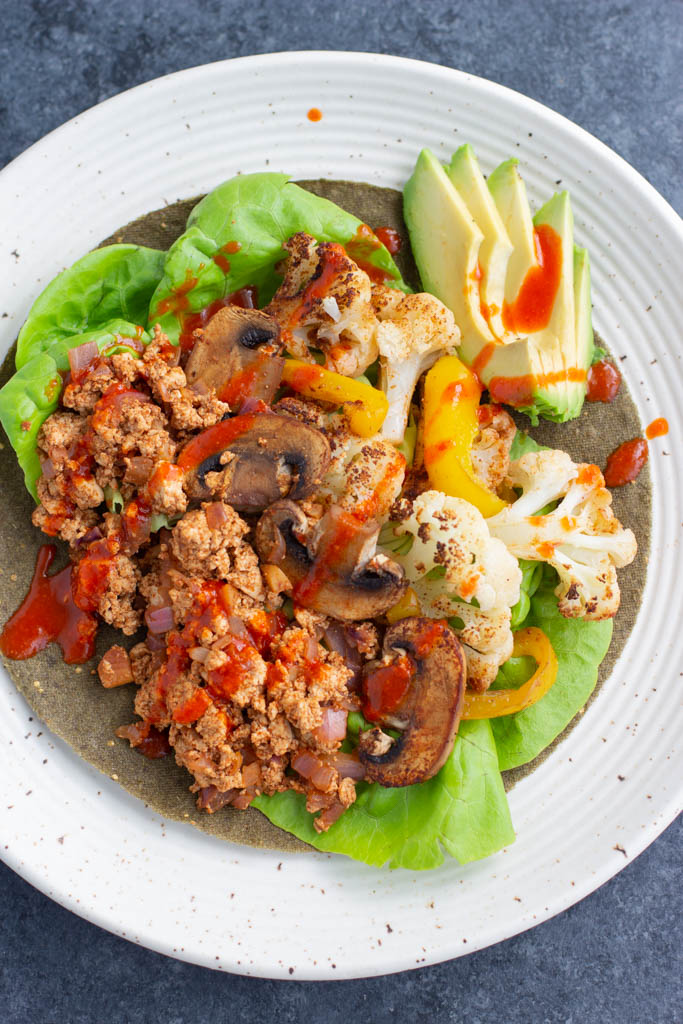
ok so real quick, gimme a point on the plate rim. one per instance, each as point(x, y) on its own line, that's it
point(610, 866)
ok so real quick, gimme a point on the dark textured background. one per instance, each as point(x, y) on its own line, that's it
point(616, 69)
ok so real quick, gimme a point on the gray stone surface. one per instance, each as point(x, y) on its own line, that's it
point(616, 69)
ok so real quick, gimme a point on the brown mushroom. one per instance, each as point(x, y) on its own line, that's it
point(237, 354)
point(333, 569)
point(419, 688)
point(252, 460)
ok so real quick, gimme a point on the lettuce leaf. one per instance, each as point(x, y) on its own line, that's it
point(257, 213)
point(463, 810)
point(579, 646)
point(32, 394)
point(114, 282)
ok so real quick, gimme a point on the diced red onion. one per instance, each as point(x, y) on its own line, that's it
point(237, 627)
point(312, 768)
point(333, 726)
point(48, 469)
point(155, 643)
point(348, 766)
point(311, 652)
point(211, 799)
point(199, 654)
point(159, 620)
point(337, 639)
point(216, 515)
point(114, 668)
point(251, 775)
point(138, 470)
point(253, 405)
point(242, 801)
point(82, 356)
point(328, 817)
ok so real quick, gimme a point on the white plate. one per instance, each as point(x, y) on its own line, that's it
point(75, 834)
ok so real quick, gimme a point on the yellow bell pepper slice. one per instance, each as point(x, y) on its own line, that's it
point(364, 406)
point(407, 606)
point(451, 398)
point(530, 641)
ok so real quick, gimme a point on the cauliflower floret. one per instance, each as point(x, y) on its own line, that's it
point(365, 474)
point(491, 447)
point(325, 301)
point(582, 538)
point(459, 572)
point(413, 331)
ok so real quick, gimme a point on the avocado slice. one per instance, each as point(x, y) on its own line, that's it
point(508, 192)
point(542, 373)
point(496, 247)
point(446, 242)
point(585, 340)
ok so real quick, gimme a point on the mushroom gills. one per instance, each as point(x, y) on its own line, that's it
point(253, 460)
point(426, 706)
point(335, 571)
point(237, 355)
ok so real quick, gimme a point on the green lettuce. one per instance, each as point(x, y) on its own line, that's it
point(258, 213)
point(115, 282)
point(462, 811)
point(580, 646)
point(32, 394)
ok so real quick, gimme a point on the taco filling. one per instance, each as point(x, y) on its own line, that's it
point(344, 569)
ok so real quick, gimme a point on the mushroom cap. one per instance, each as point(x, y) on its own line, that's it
point(338, 579)
point(237, 355)
point(430, 711)
point(257, 458)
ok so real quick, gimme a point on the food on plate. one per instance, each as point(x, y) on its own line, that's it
point(354, 590)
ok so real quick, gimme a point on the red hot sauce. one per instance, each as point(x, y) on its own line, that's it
point(604, 381)
point(624, 464)
point(47, 615)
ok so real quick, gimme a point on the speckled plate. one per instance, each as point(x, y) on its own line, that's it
point(612, 786)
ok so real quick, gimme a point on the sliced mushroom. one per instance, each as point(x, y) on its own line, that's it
point(424, 667)
point(333, 569)
point(250, 461)
point(238, 355)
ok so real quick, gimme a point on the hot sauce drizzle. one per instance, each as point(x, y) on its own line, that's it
point(519, 391)
point(359, 248)
point(531, 309)
point(385, 689)
point(48, 614)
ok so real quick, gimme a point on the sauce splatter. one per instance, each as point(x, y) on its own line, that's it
point(47, 615)
point(624, 464)
point(532, 308)
point(604, 381)
point(314, 114)
point(658, 428)
point(390, 239)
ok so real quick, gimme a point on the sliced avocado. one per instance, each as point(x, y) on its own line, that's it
point(542, 373)
point(508, 191)
point(585, 342)
point(556, 343)
point(496, 247)
point(446, 241)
